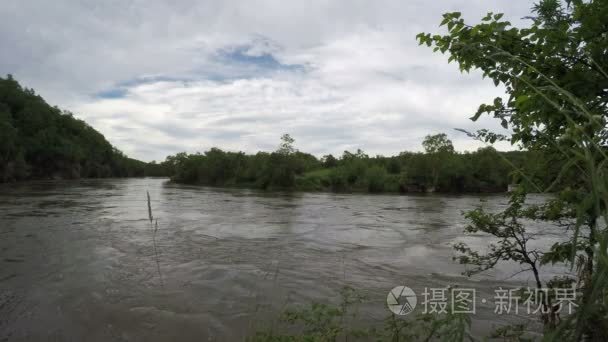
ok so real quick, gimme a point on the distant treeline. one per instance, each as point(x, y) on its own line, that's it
point(38, 141)
point(439, 169)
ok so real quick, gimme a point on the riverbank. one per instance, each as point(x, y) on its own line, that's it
point(441, 170)
point(321, 181)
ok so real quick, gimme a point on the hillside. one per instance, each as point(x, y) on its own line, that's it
point(38, 141)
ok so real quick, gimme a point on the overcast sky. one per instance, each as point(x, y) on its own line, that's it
point(160, 77)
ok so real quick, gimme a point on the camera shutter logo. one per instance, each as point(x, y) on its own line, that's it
point(401, 300)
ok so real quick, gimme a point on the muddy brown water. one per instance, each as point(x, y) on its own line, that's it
point(78, 263)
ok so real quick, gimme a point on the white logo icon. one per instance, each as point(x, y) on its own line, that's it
point(401, 300)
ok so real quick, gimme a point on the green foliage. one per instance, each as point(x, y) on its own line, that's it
point(329, 323)
point(440, 151)
point(375, 177)
point(441, 169)
point(512, 244)
point(286, 146)
point(555, 76)
point(329, 161)
point(40, 141)
point(318, 322)
point(555, 65)
point(514, 333)
point(216, 167)
point(438, 143)
point(316, 180)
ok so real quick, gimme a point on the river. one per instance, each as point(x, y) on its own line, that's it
point(79, 260)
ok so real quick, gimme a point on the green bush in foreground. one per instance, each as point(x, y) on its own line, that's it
point(555, 73)
point(328, 323)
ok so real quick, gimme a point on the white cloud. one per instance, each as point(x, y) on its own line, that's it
point(363, 82)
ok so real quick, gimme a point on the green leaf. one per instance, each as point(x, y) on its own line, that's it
point(504, 123)
point(520, 100)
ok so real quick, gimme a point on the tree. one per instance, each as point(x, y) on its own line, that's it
point(562, 53)
point(437, 143)
point(329, 161)
point(8, 147)
point(41, 141)
point(512, 245)
point(375, 178)
point(439, 148)
point(282, 165)
point(555, 76)
point(286, 145)
point(393, 166)
point(489, 170)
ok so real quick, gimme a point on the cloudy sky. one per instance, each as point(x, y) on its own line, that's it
point(160, 77)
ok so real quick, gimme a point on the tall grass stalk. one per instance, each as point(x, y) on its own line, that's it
point(154, 226)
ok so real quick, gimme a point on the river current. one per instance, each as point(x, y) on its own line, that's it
point(79, 260)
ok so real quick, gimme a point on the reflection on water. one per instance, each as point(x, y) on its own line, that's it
point(78, 261)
